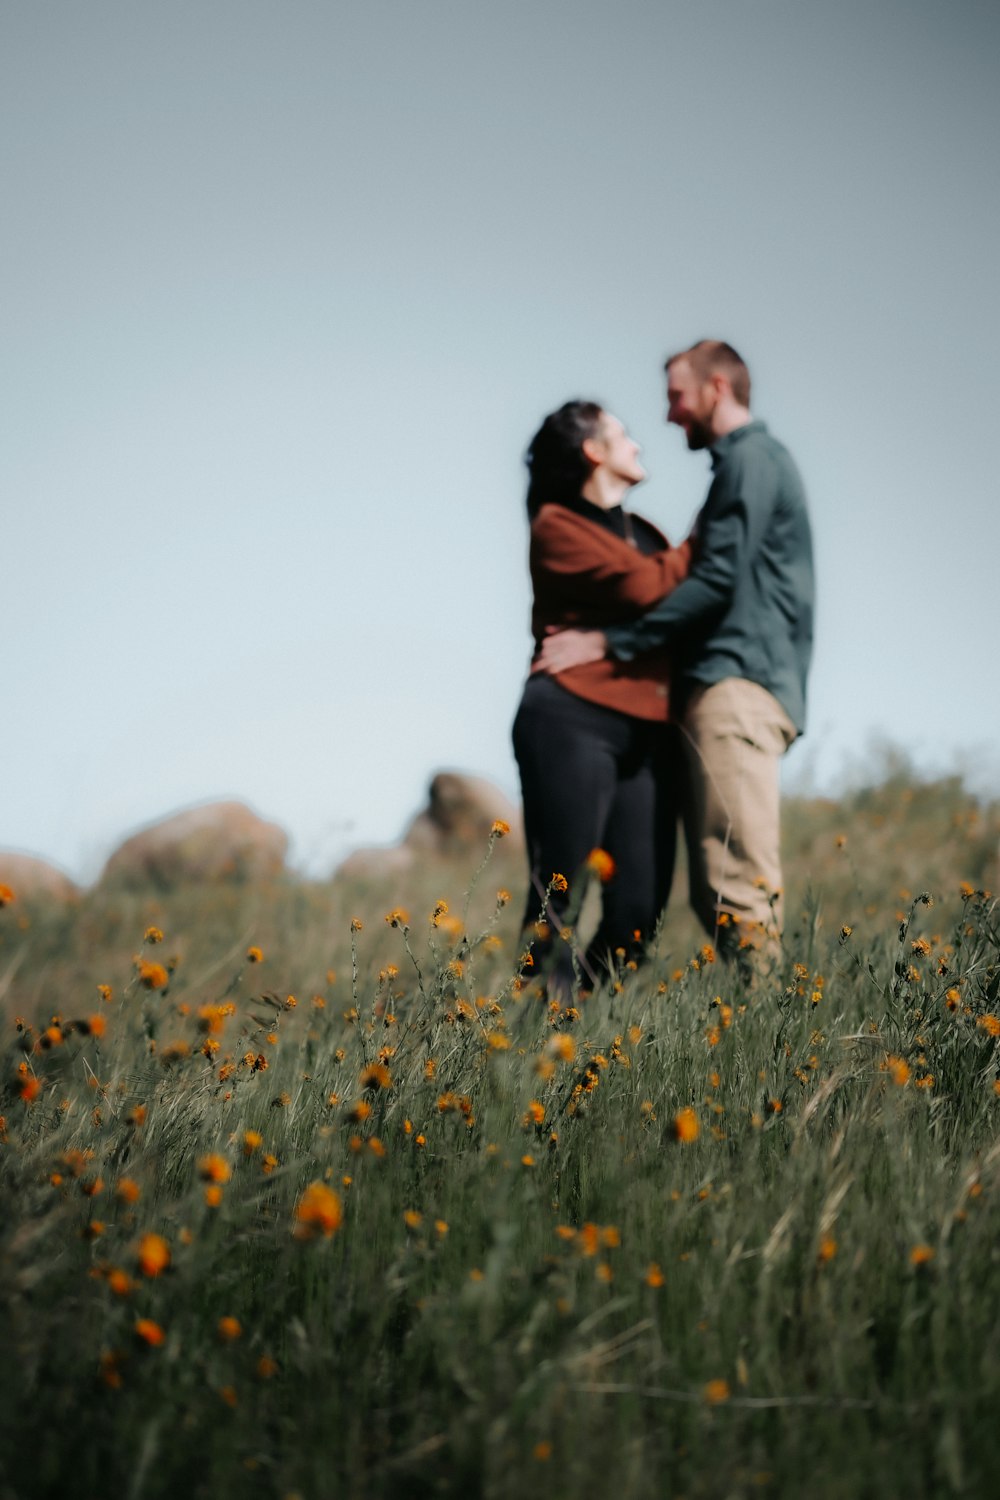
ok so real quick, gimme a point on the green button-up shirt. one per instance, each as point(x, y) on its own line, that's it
point(746, 609)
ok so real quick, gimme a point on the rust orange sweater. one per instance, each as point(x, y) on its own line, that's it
point(586, 576)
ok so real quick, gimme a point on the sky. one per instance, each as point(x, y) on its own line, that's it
point(287, 288)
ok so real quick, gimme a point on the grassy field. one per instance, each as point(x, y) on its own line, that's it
point(304, 1193)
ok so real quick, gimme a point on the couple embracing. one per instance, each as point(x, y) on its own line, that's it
point(667, 682)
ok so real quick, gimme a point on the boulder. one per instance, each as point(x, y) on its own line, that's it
point(218, 841)
point(27, 876)
point(457, 820)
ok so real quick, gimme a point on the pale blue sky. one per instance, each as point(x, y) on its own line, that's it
point(287, 288)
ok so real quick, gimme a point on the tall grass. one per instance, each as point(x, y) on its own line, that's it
point(419, 1232)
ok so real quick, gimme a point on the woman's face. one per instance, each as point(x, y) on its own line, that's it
point(611, 448)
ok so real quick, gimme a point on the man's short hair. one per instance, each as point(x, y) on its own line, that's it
point(712, 357)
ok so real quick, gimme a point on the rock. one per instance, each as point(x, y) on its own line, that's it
point(215, 842)
point(457, 820)
point(28, 876)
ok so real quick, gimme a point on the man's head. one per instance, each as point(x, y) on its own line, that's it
point(708, 391)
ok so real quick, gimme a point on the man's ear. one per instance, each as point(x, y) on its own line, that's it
point(591, 448)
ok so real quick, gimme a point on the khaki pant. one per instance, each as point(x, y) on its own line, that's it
point(735, 733)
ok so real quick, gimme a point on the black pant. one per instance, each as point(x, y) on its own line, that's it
point(594, 778)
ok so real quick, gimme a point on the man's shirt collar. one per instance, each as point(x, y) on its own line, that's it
point(722, 445)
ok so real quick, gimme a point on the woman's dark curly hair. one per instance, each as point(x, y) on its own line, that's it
point(557, 465)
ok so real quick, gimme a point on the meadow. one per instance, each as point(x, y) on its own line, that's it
point(307, 1192)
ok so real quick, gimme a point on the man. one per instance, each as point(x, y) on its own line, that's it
point(741, 629)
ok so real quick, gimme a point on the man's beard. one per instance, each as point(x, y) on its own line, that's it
point(698, 435)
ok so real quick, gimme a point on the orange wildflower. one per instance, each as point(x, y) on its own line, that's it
point(500, 829)
point(229, 1329)
point(152, 976)
point(318, 1211)
point(149, 1333)
point(921, 1255)
point(154, 1254)
point(686, 1126)
point(214, 1168)
point(600, 863)
point(715, 1392)
point(376, 1076)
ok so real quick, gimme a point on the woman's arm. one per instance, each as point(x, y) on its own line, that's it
point(594, 569)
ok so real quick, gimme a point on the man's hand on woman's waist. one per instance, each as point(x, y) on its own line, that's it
point(562, 649)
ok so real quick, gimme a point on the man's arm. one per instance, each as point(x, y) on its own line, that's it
point(730, 522)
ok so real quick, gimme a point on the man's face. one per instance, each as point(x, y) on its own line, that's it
point(691, 404)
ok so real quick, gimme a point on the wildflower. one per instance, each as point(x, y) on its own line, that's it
point(128, 1190)
point(559, 882)
point(921, 1255)
point(440, 910)
point(268, 1164)
point(228, 1394)
point(119, 1282)
point(137, 1115)
point(214, 1168)
point(774, 1106)
point(715, 1392)
point(376, 1147)
point(94, 1229)
point(420, 1139)
point(600, 863)
point(412, 1218)
point(213, 1195)
point(318, 1211)
point(6, 895)
point(685, 1125)
point(654, 1277)
point(920, 946)
point(497, 1041)
point(152, 935)
point(254, 955)
point(152, 976)
point(827, 1249)
point(561, 1047)
point(252, 1141)
point(266, 1367)
point(589, 1239)
point(229, 1329)
point(845, 932)
point(990, 1024)
point(503, 897)
point(440, 1228)
point(28, 1088)
point(398, 917)
point(603, 1272)
point(534, 1114)
point(527, 1160)
point(500, 829)
point(376, 1076)
point(359, 1111)
point(952, 999)
point(898, 1070)
point(149, 1333)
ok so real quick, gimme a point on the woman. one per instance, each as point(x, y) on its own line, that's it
point(593, 746)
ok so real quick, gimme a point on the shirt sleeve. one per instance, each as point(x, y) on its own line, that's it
point(732, 519)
